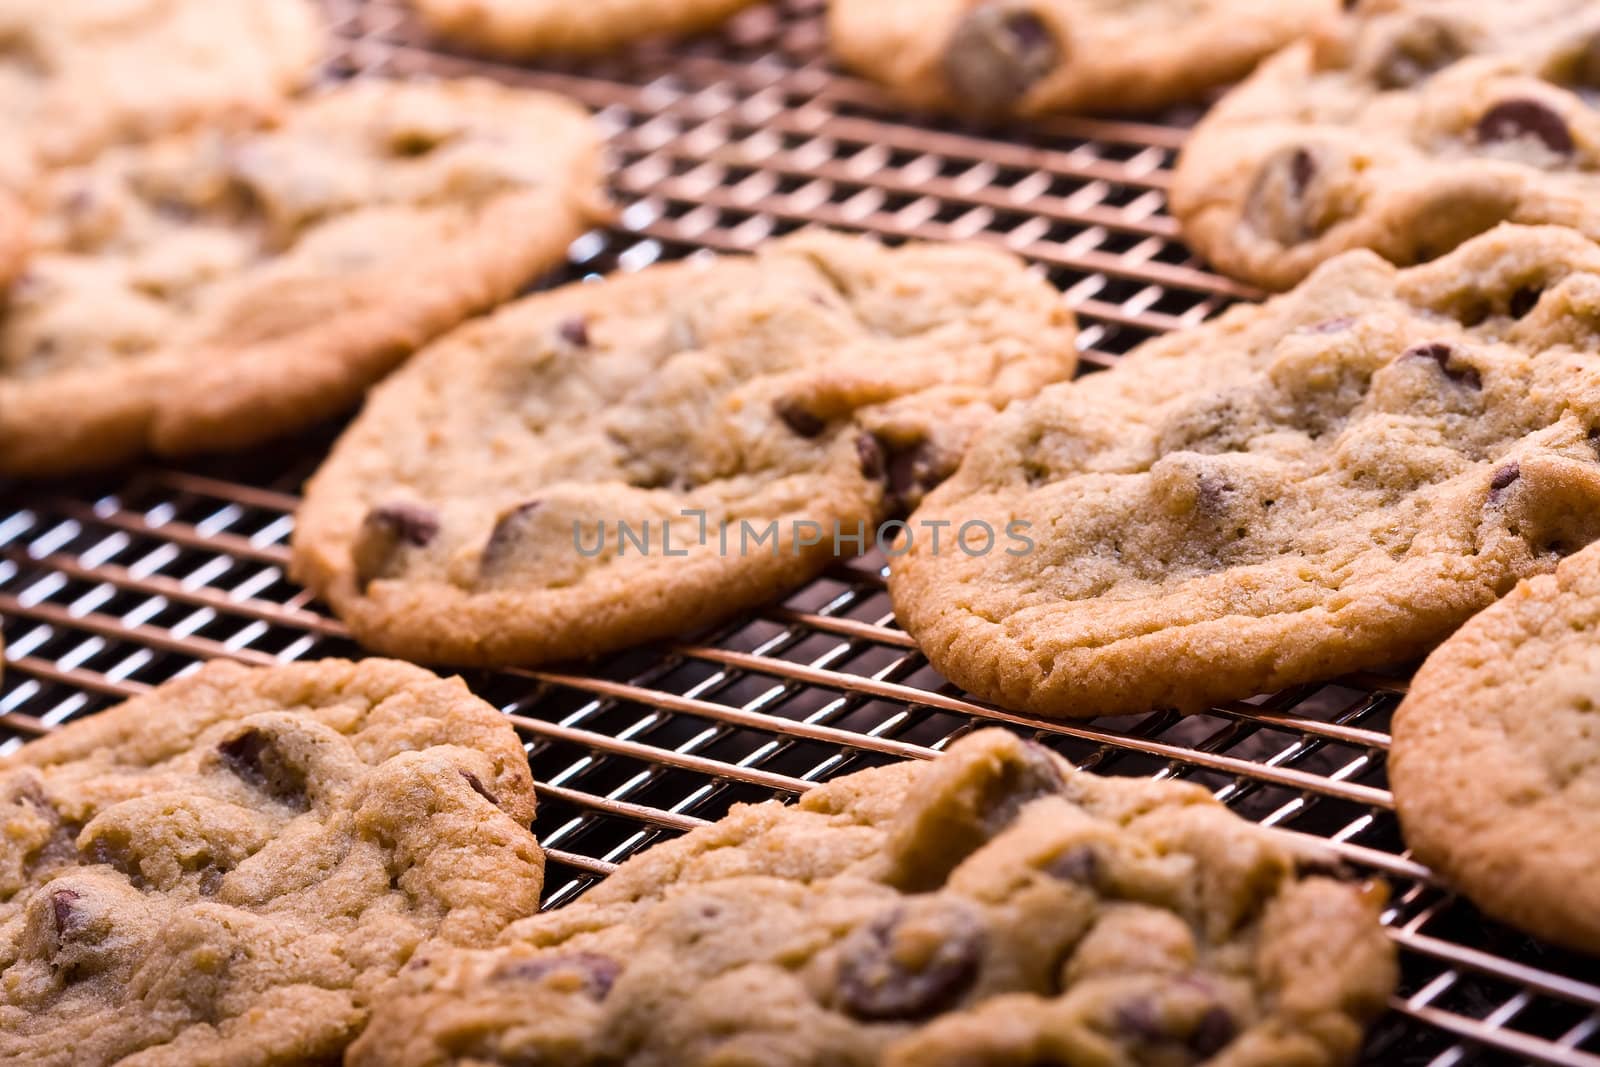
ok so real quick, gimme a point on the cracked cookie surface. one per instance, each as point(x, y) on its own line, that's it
point(212, 290)
point(1496, 757)
point(78, 76)
point(993, 907)
point(825, 380)
point(1329, 482)
point(227, 869)
point(558, 27)
point(1033, 57)
point(1409, 128)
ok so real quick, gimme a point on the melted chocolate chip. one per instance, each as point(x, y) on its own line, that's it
point(386, 529)
point(574, 330)
point(118, 858)
point(1079, 865)
point(1278, 205)
point(1214, 1032)
point(1512, 120)
point(599, 972)
point(509, 531)
point(997, 53)
point(479, 788)
point(1523, 301)
point(64, 912)
point(1420, 51)
point(877, 983)
point(870, 453)
point(257, 761)
point(1139, 1019)
point(1440, 354)
point(210, 881)
point(1502, 480)
point(802, 422)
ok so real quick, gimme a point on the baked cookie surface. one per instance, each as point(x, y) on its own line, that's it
point(213, 290)
point(1332, 481)
point(558, 27)
point(227, 869)
point(78, 76)
point(1033, 57)
point(731, 414)
point(1496, 757)
point(991, 907)
point(1409, 128)
point(14, 238)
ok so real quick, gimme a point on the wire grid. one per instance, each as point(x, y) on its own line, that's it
point(110, 585)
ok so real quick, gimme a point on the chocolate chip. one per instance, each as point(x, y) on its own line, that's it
point(210, 881)
point(599, 973)
point(1523, 301)
point(1503, 480)
point(1440, 354)
point(575, 330)
point(996, 54)
point(479, 788)
point(797, 418)
point(257, 761)
point(510, 531)
point(1278, 205)
point(1420, 51)
point(1079, 865)
point(879, 983)
point(1512, 120)
point(386, 529)
point(1139, 1019)
point(64, 911)
point(870, 453)
point(101, 850)
point(1214, 1032)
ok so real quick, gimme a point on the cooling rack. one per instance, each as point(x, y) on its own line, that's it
point(111, 585)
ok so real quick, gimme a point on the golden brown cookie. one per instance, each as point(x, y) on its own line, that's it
point(1496, 757)
point(1409, 128)
point(1033, 57)
point(618, 462)
point(211, 291)
point(79, 75)
point(230, 868)
point(558, 27)
point(992, 908)
point(1331, 481)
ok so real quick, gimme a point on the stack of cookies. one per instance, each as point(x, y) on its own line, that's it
point(333, 861)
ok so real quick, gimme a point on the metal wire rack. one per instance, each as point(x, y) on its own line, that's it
point(111, 585)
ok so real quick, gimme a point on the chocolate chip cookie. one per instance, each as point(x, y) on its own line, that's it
point(79, 75)
point(1412, 126)
point(1496, 757)
point(558, 27)
point(211, 291)
point(13, 239)
point(617, 462)
point(1032, 57)
point(228, 869)
point(994, 907)
point(1331, 481)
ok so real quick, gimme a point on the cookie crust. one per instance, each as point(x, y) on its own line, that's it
point(1494, 765)
point(555, 27)
point(228, 868)
point(1332, 481)
point(213, 291)
point(825, 380)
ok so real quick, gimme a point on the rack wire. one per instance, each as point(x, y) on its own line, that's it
point(114, 584)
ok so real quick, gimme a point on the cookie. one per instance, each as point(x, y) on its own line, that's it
point(78, 76)
point(992, 907)
point(13, 238)
point(229, 868)
point(1496, 757)
point(613, 463)
point(1332, 481)
point(1411, 127)
point(212, 291)
point(555, 27)
point(1034, 57)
